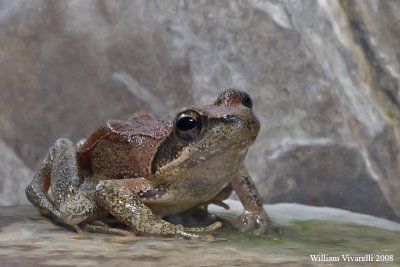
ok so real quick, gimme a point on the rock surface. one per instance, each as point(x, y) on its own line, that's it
point(15, 174)
point(324, 76)
point(27, 239)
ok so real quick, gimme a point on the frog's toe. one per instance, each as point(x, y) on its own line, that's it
point(187, 235)
point(105, 229)
point(209, 228)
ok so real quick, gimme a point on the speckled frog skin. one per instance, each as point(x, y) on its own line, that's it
point(142, 169)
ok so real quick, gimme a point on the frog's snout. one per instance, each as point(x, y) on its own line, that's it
point(232, 97)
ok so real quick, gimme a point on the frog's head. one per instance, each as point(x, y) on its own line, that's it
point(227, 123)
point(226, 127)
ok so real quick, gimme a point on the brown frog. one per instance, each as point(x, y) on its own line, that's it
point(142, 169)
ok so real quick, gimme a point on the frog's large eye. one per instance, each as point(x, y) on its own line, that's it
point(189, 125)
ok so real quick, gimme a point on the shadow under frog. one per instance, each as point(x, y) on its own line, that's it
point(142, 169)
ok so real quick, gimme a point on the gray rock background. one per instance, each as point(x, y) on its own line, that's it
point(324, 76)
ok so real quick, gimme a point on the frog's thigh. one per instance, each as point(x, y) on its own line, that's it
point(64, 171)
point(127, 207)
point(57, 170)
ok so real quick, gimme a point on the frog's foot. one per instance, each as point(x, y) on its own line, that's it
point(57, 220)
point(258, 223)
point(101, 227)
point(209, 228)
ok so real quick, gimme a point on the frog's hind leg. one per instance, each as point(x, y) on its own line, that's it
point(37, 190)
point(58, 171)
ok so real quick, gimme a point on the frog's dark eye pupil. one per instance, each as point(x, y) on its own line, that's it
point(186, 123)
point(190, 125)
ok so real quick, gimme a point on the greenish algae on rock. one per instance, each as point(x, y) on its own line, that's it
point(27, 239)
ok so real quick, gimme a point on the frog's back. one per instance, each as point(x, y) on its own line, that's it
point(123, 149)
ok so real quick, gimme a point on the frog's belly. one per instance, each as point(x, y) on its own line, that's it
point(182, 199)
point(195, 186)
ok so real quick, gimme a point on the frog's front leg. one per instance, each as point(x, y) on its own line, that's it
point(127, 207)
point(254, 217)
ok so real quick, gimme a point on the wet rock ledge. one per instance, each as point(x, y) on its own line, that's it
point(27, 239)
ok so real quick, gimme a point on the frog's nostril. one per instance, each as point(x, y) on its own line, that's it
point(245, 99)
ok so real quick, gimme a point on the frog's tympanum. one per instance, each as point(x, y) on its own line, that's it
point(142, 169)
